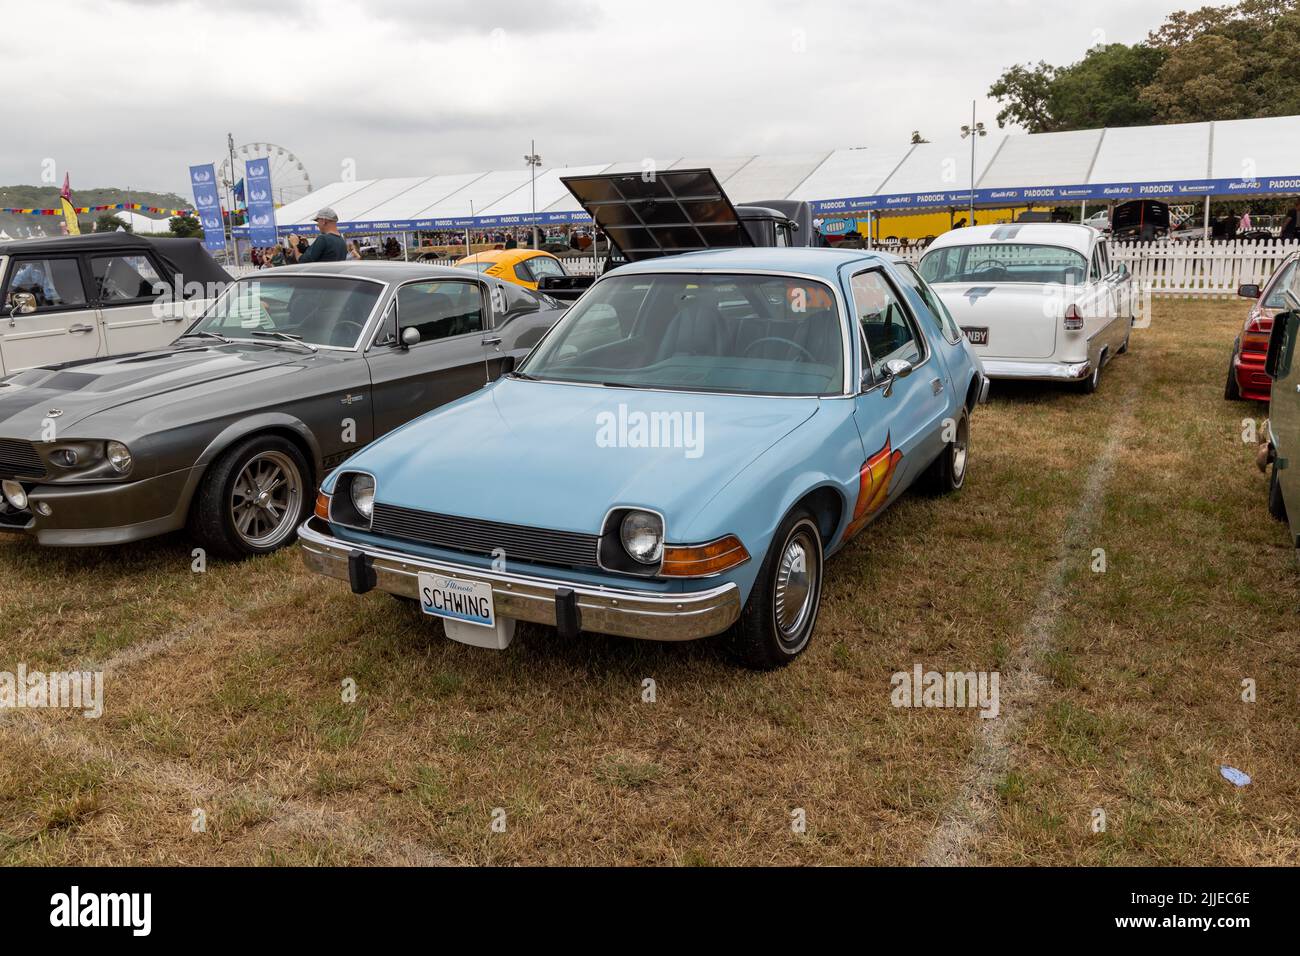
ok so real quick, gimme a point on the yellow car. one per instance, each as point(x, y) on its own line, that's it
point(520, 266)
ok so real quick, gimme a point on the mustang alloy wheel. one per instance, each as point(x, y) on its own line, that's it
point(252, 498)
point(266, 500)
point(778, 619)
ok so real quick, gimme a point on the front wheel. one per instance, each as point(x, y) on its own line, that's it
point(1231, 390)
point(252, 498)
point(777, 622)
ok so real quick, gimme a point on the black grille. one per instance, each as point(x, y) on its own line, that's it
point(18, 459)
point(519, 542)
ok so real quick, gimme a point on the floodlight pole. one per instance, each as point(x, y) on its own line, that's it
point(533, 161)
point(234, 249)
point(973, 130)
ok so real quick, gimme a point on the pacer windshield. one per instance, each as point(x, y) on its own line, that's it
point(1004, 262)
point(770, 335)
point(318, 310)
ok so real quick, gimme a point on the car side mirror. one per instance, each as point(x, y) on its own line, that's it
point(1248, 291)
point(896, 369)
point(1276, 342)
point(410, 336)
point(21, 303)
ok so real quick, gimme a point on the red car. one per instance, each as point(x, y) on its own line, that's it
point(1246, 378)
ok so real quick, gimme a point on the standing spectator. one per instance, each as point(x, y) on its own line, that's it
point(353, 251)
point(1291, 228)
point(328, 246)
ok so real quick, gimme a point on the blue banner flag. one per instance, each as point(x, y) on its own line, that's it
point(207, 205)
point(261, 208)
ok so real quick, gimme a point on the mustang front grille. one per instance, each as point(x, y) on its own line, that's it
point(18, 459)
point(518, 542)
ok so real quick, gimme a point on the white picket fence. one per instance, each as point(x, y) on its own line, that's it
point(1167, 267)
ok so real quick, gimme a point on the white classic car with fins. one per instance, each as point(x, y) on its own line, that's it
point(1038, 301)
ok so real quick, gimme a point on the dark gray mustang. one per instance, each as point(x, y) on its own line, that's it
point(228, 430)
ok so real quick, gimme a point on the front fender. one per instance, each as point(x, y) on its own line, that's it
point(241, 429)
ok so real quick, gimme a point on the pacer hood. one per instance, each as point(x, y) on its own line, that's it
point(560, 456)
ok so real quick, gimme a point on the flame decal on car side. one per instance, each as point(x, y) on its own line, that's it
point(873, 486)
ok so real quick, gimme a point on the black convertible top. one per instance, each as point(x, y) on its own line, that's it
point(185, 256)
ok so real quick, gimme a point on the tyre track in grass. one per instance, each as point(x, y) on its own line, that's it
point(955, 841)
point(201, 788)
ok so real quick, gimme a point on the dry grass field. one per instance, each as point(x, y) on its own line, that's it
point(1121, 690)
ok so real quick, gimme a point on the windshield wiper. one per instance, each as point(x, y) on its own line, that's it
point(204, 334)
point(522, 376)
point(284, 337)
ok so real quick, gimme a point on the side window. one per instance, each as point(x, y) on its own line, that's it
point(1104, 251)
point(523, 273)
point(885, 326)
point(440, 309)
point(1279, 284)
point(545, 266)
point(1097, 272)
point(942, 317)
point(124, 278)
point(56, 283)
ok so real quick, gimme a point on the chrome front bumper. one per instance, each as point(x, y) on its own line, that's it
point(683, 616)
point(1038, 371)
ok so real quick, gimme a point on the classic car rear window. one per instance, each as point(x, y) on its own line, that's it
point(753, 334)
point(320, 310)
point(1004, 262)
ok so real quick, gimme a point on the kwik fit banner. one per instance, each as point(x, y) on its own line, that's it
point(261, 209)
point(207, 205)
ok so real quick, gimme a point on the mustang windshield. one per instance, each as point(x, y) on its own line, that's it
point(318, 310)
point(1004, 262)
point(768, 335)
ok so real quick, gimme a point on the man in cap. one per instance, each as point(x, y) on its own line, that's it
point(328, 246)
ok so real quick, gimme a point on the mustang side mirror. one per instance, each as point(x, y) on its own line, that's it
point(410, 336)
point(21, 303)
point(1248, 291)
point(896, 369)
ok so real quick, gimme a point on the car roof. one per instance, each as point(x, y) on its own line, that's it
point(1068, 234)
point(505, 256)
point(364, 269)
point(824, 263)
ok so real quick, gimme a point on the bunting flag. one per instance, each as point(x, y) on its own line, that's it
point(131, 206)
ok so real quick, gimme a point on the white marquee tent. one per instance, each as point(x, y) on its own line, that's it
point(1243, 158)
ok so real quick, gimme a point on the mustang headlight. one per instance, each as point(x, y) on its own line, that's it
point(642, 534)
point(363, 495)
point(119, 456)
point(14, 494)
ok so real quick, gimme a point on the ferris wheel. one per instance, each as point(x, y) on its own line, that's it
point(289, 179)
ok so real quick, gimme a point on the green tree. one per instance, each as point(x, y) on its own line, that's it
point(1103, 89)
point(109, 222)
point(186, 227)
point(1023, 92)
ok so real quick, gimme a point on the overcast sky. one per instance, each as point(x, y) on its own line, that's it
point(131, 92)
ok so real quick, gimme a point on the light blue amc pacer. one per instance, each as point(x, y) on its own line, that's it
point(674, 460)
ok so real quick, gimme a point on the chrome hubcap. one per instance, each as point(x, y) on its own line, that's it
point(797, 576)
point(266, 499)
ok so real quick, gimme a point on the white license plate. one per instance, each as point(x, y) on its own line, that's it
point(457, 600)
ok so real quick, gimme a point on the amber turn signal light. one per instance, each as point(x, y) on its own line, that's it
point(322, 506)
point(698, 560)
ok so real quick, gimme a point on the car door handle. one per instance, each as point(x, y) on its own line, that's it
point(937, 385)
point(495, 341)
point(80, 329)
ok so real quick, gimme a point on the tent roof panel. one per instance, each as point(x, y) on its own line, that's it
point(771, 177)
point(481, 193)
point(1253, 148)
point(723, 166)
point(549, 190)
point(356, 206)
point(301, 210)
point(850, 173)
point(1153, 154)
point(1048, 159)
point(942, 165)
point(405, 205)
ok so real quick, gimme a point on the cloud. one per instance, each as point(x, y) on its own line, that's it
point(413, 88)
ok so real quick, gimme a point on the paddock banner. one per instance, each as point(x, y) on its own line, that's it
point(207, 203)
point(261, 208)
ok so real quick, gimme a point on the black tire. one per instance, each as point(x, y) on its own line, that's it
point(947, 473)
point(1090, 384)
point(213, 522)
point(767, 636)
point(1276, 504)
point(1231, 391)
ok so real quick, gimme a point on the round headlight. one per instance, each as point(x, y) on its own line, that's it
point(14, 494)
point(642, 534)
point(363, 495)
point(119, 456)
